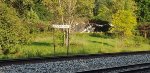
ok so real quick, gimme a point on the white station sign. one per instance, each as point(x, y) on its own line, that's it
point(61, 26)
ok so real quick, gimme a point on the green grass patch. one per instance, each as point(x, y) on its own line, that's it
point(80, 43)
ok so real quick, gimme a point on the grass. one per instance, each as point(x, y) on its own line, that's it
point(85, 43)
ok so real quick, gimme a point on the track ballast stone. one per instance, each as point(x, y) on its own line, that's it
point(79, 65)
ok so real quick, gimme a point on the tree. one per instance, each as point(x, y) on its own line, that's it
point(21, 6)
point(43, 13)
point(85, 8)
point(124, 21)
point(120, 12)
point(69, 10)
point(106, 8)
point(143, 12)
point(33, 13)
point(143, 17)
point(129, 5)
point(102, 10)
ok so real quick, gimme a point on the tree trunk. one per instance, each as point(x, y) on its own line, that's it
point(145, 34)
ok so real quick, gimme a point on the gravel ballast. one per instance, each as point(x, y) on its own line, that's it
point(78, 65)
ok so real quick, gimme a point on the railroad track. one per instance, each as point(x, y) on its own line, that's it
point(145, 70)
point(97, 63)
point(138, 68)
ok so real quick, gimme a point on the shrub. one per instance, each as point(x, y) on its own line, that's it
point(33, 23)
point(36, 26)
point(59, 37)
point(12, 31)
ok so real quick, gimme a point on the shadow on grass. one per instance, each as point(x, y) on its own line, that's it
point(41, 44)
point(102, 43)
point(102, 35)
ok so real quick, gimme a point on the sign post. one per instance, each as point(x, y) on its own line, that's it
point(67, 35)
point(67, 41)
point(54, 39)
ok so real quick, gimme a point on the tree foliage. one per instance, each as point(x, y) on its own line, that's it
point(12, 31)
point(125, 22)
point(104, 9)
point(42, 12)
point(143, 12)
point(143, 17)
point(66, 11)
point(85, 7)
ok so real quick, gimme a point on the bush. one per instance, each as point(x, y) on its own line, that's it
point(33, 23)
point(36, 26)
point(124, 21)
point(59, 37)
point(12, 31)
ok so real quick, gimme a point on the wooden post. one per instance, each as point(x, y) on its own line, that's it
point(64, 36)
point(67, 42)
point(54, 40)
point(145, 34)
